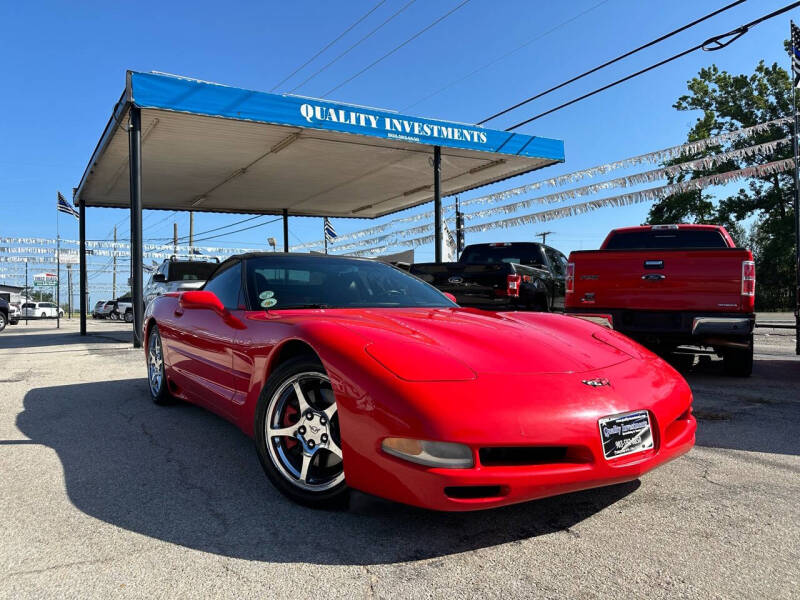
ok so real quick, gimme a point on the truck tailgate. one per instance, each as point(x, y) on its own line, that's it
point(470, 284)
point(663, 280)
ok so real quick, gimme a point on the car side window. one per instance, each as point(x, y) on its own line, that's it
point(227, 285)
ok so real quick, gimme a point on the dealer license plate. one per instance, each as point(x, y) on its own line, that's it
point(626, 434)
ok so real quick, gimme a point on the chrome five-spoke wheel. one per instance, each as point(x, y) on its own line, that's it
point(302, 432)
point(155, 368)
point(297, 434)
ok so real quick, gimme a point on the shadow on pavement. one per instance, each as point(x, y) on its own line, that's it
point(185, 476)
point(43, 338)
point(758, 413)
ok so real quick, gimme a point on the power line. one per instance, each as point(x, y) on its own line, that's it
point(211, 237)
point(717, 42)
point(613, 60)
point(507, 54)
point(396, 48)
point(358, 43)
point(340, 36)
point(186, 237)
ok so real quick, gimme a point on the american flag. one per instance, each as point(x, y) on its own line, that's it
point(63, 206)
point(796, 54)
point(330, 232)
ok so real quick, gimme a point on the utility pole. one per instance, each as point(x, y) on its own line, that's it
point(459, 229)
point(175, 238)
point(544, 235)
point(191, 234)
point(114, 272)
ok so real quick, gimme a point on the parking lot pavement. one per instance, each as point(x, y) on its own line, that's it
point(104, 494)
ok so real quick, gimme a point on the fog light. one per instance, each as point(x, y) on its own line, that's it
point(432, 454)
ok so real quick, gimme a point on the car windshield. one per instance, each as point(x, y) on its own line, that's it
point(332, 282)
point(521, 254)
point(190, 271)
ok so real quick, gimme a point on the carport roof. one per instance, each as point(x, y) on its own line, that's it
point(211, 147)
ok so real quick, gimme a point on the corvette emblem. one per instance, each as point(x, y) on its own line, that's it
point(598, 382)
point(314, 429)
point(455, 279)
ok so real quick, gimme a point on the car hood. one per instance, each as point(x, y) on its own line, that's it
point(424, 339)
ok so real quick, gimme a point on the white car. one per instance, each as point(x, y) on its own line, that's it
point(41, 310)
point(178, 276)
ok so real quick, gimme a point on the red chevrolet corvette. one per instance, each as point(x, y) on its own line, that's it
point(350, 373)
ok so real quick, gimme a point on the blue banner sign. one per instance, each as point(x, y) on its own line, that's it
point(168, 92)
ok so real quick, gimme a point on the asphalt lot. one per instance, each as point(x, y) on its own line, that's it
point(103, 494)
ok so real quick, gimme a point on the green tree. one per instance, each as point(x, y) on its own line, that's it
point(760, 215)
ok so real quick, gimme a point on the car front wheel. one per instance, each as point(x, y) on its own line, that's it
point(2, 321)
point(297, 434)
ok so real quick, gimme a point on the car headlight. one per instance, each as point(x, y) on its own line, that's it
point(446, 455)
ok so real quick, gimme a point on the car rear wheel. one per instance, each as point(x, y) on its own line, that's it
point(738, 362)
point(129, 316)
point(156, 374)
point(2, 321)
point(44, 315)
point(297, 435)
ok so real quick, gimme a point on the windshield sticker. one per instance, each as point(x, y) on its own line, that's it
point(267, 294)
point(268, 302)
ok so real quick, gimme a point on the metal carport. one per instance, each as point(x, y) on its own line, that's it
point(175, 143)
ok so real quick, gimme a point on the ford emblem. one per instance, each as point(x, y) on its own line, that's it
point(455, 279)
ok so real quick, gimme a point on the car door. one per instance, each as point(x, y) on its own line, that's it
point(202, 345)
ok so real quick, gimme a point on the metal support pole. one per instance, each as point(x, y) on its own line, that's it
point(137, 260)
point(796, 213)
point(796, 232)
point(285, 229)
point(114, 266)
point(27, 292)
point(58, 274)
point(82, 253)
point(191, 234)
point(175, 238)
point(437, 203)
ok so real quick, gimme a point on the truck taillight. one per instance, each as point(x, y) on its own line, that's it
point(514, 282)
point(570, 278)
point(748, 278)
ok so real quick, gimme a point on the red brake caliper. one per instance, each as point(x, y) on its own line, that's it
point(290, 417)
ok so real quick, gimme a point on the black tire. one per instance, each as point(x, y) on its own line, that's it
point(3, 321)
point(129, 316)
point(286, 450)
point(540, 304)
point(739, 362)
point(159, 390)
point(44, 315)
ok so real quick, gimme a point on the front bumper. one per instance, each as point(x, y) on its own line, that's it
point(521, 411)
point(489, 487)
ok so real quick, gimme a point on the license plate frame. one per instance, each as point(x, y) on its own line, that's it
point(626, 433)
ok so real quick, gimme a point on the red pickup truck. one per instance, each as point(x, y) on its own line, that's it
point(668, 286)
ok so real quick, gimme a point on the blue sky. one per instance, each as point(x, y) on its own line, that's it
point(63, 67)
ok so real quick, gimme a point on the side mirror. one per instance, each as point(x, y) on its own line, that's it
point(159, 278)
point(202, 299)
point(450, 297)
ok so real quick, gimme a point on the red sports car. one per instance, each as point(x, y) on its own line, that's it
point(350, 373)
